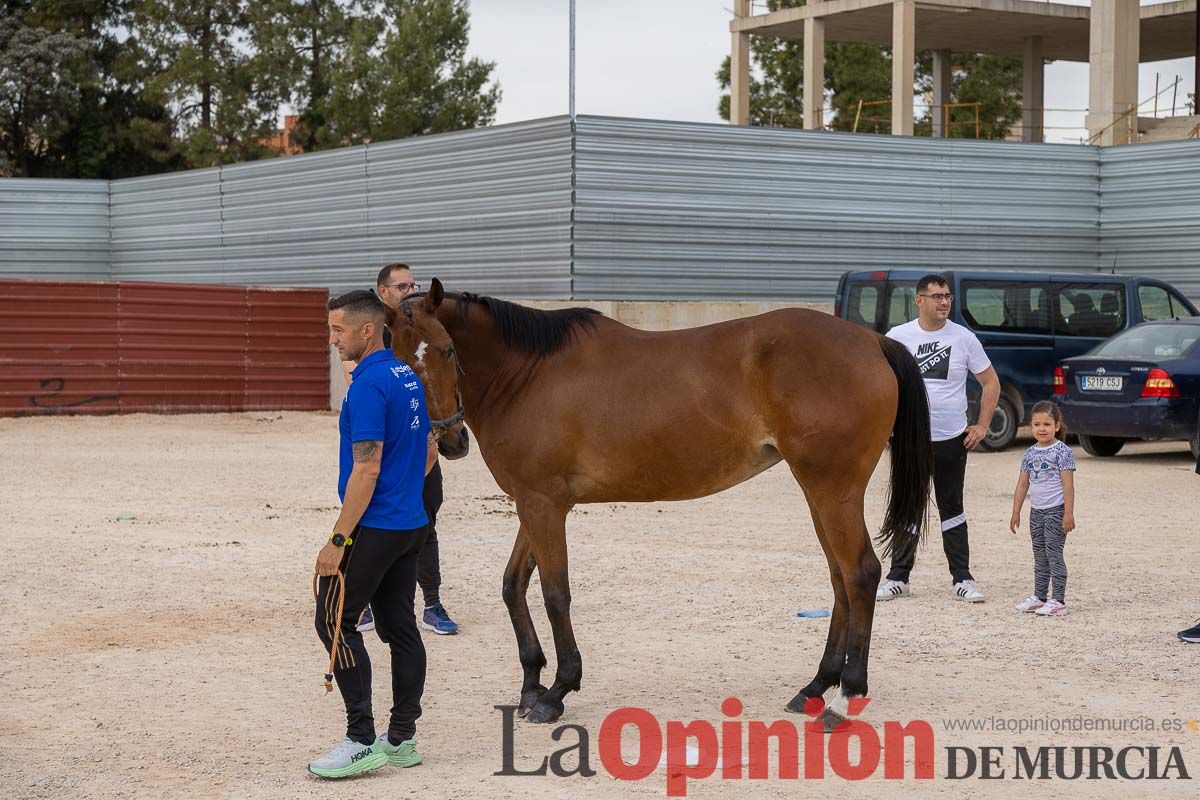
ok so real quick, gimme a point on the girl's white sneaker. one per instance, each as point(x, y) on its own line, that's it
point(1030, 605)
point(1052, 608)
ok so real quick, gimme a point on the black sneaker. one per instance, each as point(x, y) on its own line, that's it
point(1192, 634)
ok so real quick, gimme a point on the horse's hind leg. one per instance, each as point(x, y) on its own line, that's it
point(829, 671)
point(516, 585)
point(846, 532)
point(545, 526)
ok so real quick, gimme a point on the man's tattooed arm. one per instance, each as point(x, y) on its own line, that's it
point(366, 452)
point(360, 486)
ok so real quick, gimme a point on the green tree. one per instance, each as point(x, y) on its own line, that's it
point(303, 44)
point(117, 130)
point(996, 82)
point(778, 99)
point(855, 72)
point(406, 73)
point(115, 88)
point(373, 70)
point(39, 93)
point(223, 104)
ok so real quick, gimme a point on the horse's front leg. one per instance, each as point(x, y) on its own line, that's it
point(516, 585)
point(544, 523)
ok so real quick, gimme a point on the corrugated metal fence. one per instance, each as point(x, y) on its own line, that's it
point(488, 209)
point(84, 347)
point(635, 209)
point(54, 229)
point(687, 211)
point(1150, 211)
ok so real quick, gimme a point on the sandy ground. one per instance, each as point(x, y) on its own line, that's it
point(157, 607)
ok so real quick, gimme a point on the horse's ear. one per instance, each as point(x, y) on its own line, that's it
point(435, 296)
point(389, 315)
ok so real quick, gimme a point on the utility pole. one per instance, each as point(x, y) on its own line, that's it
point(571, 80)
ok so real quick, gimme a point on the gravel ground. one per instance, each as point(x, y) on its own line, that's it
point(158, 603)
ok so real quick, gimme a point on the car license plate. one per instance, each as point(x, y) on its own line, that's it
point(1102, 383)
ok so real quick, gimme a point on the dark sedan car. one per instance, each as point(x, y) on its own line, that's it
point(1143, 383)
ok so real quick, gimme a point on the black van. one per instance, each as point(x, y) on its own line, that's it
point(1026, 321)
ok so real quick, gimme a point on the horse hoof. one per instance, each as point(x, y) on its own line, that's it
point(529, 699)
point(831, 719)
point(796, 704)
point(545, 712)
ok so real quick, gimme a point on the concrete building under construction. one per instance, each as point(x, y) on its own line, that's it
point(1113, 37)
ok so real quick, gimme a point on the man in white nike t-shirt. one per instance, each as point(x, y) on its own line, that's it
point(945, 352)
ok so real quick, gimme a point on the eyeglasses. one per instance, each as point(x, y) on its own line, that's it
point(404, 287)
point(938, 298)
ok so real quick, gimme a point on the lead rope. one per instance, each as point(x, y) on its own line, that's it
point(337, 631)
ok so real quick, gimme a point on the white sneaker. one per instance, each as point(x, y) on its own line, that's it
point(1031, 605)
point(348, 758)
point(1053, 608)
point(890, 590)
point(968, 592)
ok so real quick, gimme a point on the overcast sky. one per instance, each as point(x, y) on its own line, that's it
point(657, 59)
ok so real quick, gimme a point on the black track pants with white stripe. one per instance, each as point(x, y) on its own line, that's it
point(949, 472)
point(380, 568)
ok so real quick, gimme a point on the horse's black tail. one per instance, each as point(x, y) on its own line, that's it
point(912, 457)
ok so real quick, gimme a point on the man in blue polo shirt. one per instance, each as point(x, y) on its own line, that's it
point(375, 542)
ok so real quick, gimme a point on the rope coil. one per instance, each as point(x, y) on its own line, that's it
point(337, 630)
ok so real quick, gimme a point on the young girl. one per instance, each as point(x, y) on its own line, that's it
point(1048, 477)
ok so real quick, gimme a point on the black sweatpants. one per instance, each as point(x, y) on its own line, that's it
point(949, 471)
point(380, 568)
point(429, 571)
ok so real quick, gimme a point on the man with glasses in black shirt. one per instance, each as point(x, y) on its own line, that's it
point(394, 283)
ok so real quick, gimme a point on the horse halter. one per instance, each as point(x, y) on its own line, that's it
point(438, 427)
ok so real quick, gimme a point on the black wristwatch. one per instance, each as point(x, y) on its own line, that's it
point(339, 540)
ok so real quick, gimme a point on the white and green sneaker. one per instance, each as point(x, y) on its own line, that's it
point(348, 758)
point(402, 755)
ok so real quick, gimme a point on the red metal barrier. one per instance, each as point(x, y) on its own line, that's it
point(120, 347)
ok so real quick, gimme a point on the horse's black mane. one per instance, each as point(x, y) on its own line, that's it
point(541, 333)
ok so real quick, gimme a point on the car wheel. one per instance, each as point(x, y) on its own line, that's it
point(1195, 444)
point(1101, 446)
point(1004, 425)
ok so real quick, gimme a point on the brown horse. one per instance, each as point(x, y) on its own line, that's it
point(573, 407)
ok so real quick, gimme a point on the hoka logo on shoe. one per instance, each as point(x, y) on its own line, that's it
point(361, 754)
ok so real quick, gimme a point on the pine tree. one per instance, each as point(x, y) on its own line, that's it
point(374, 70)
point(423, 82)
point(223, 104)
point(303, 44)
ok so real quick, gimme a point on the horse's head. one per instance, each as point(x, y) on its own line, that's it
point(419, 340)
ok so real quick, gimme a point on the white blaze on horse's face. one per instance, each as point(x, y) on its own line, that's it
point(421, 354)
